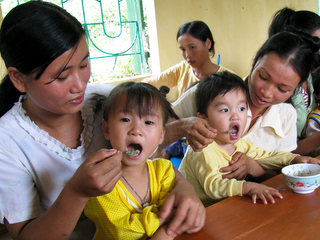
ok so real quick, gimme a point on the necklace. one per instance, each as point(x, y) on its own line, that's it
point(154, 152)
point(259, 115)
point(143, 200)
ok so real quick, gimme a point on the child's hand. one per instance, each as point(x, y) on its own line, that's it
point(166, 220)
point(260, 191)
point(161, 234)
point(304, 159)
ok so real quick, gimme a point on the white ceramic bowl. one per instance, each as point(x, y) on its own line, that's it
point(302, 178)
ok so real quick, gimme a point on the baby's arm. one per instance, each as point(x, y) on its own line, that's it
point(161, 234)
point(260, 191)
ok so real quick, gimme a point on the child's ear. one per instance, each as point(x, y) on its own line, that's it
point(163, 133)
point(105, 128)
point(18, 79)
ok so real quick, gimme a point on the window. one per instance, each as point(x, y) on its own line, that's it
point(117, 34)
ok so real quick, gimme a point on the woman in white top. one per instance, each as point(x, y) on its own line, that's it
point(53, 155)
point(282, 63)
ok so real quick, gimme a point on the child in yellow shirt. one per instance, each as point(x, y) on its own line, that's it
point(134, 118)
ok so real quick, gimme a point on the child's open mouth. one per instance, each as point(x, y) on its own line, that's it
point(133, 149)
point(234, 135)
point(234, 130)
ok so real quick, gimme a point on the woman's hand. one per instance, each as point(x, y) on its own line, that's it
point(240, 166)
point(243, 166)
point(98, 174)
point(198, 132)
point(189, 215)
point(304, 159)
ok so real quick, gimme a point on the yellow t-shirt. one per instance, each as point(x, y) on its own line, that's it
point(201, 169)
point(118, 215)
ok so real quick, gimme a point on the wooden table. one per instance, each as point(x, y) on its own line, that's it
point(296, 216)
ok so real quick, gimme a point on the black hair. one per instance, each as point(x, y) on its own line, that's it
point(198, 30)
point(32, 35)
point(316, 84)
point(298, 48)
point(306, 21)
point(217, 84)
point(140, 97)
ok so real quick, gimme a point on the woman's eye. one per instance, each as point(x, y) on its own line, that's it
point(61, 78)
point(262, 77)
point(84, 66)
point(281, 90)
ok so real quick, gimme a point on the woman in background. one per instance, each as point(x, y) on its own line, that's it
point(197, 47)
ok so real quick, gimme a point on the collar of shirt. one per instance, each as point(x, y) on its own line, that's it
point(271, 118)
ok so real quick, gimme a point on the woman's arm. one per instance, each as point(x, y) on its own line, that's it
point(305, 159)
point(96, 176)
point(308, 144)
point(189, 215)
point(56, 223)
point(169, 77)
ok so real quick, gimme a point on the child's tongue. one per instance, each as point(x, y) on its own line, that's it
point(134, 147)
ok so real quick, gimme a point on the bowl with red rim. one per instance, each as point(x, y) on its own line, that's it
point(302, 178)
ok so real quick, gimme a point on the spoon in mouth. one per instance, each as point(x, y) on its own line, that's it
point(133, 152)
point(229, 132)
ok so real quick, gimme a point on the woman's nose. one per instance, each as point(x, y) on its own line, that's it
point(267, 91)
point(187, 54)
point(79, 83)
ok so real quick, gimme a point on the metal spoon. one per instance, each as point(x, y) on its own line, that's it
point(230, 131)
